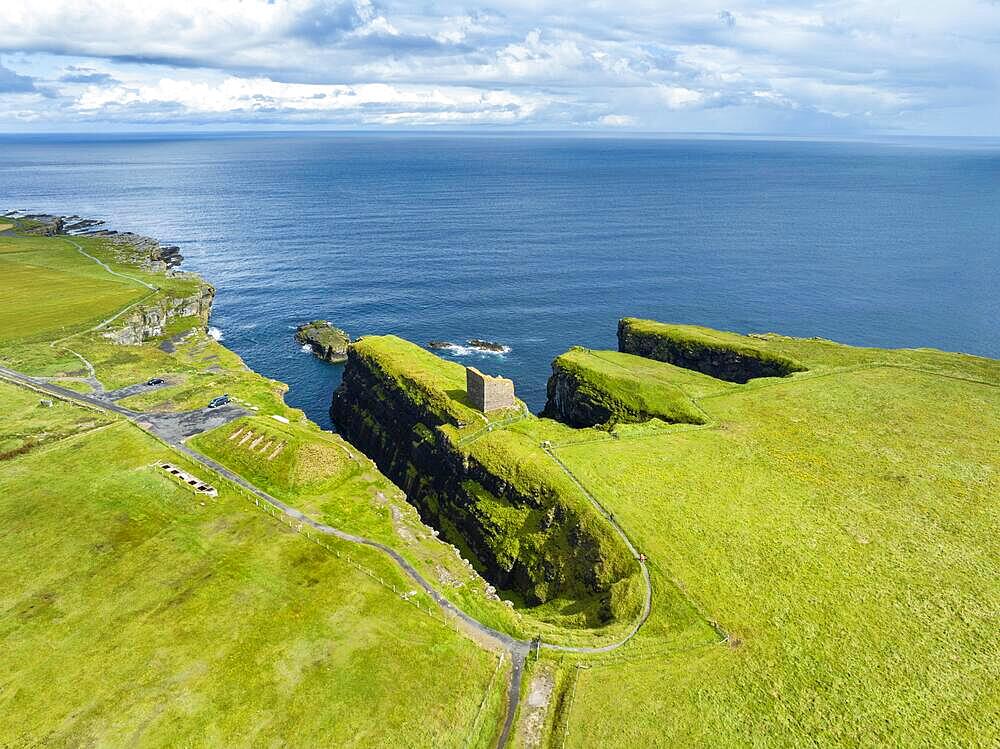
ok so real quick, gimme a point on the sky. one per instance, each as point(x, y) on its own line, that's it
point(845, 67)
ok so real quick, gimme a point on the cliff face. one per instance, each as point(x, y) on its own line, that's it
point(726, 356)
point(150, 320)
point(571, 400)
point(519, 523)
point(604, 388)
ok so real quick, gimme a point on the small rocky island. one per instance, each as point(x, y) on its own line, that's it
point(327, 342)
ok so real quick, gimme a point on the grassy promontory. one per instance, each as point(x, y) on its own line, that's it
point(491, 491)
point(725, 356)
point(605, 388)
point(837, 525)
point(136, 612)
point(818, 521)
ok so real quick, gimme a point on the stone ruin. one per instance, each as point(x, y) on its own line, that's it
point(488, 393)
point(193, 482)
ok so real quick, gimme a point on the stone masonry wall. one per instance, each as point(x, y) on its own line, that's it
point(488, 393)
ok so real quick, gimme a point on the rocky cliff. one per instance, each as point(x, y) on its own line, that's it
point(496, 496)
point(149, 320)
point(573, 400)
point(726, 356)
point(326, 341)
point(604, 388)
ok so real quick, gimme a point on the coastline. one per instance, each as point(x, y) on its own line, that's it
point(137, 328)
point(485, 606)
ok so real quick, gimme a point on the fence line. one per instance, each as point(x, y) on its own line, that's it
point(486, 697)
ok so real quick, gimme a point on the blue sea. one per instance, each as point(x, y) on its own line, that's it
point(541, 243)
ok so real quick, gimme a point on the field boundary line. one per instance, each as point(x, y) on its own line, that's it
point(486, 697)
point(568, 705)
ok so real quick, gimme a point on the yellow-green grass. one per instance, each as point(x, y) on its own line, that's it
point(430, 382)
point(841, 528)
point(53, 291)
point(133, 611)
point(507, 445)
point(653, 373)
point(631, 388)
point(327, 478)
point(27, 424)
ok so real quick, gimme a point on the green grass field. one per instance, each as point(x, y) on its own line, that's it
point(49, 289)
point(134, 612)
point(840, 526)
point(823, 548)
point(166, 618)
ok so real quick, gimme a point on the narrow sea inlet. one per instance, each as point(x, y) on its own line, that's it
point(537, 242)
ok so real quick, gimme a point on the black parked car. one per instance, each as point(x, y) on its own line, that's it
point(220, 401)
point(155, 381)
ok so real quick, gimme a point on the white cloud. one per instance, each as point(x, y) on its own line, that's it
point(617, 120)
point(871, 64)
point(373, 102)
point(678, 97)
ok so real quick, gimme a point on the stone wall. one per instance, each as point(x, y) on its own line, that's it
point(488, 393)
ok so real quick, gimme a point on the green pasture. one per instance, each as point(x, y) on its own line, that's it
point(166, 618)
point(840, 527)
point(50, 290)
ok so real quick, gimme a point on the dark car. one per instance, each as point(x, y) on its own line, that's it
point(155, 381)
point(220, 401)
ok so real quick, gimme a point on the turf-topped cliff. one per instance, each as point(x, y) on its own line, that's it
point(726, 356)
point(605, 388)
point(838, 527)
point(227, 626)
point(490, 490)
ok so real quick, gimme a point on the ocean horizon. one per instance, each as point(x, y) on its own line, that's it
point(541, 242)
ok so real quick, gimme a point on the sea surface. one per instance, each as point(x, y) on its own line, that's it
point(541, 243)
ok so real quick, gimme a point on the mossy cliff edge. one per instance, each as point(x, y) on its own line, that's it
point(726, 356)
point(606, 388)
point(492, 492)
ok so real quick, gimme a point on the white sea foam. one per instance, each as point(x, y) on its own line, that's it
point(457, 350)
point(306, 348)
point(215, 333)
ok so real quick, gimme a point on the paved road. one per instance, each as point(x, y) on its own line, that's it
point(139, 387)
point(173, 428)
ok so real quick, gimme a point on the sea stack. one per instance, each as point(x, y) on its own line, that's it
point(327, 342)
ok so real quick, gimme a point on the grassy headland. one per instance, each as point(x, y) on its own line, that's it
point(838, 526)
point(135, 611)
point(818, 521)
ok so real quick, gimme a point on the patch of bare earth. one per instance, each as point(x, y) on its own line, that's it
point(536, 706)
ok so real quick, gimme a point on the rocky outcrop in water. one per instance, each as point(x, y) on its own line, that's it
point(471, 345)
point(327, 342)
